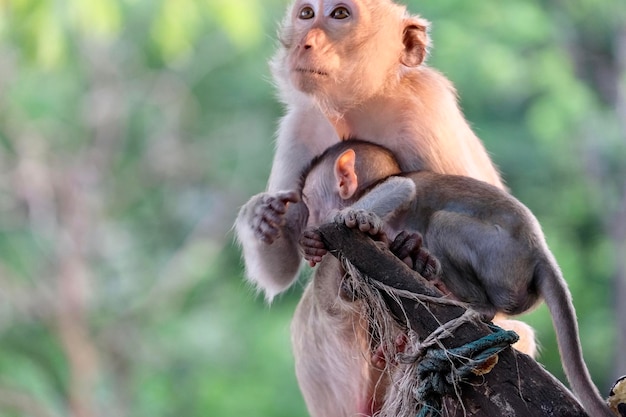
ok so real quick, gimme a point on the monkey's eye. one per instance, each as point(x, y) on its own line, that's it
point(340, 13)
point(306, 13)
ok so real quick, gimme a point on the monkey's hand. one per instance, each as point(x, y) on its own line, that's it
point(363, 220)
point(409, 247)
point(312, 246)
point(266, 214)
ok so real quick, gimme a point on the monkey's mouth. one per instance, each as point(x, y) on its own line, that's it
point(311, 71)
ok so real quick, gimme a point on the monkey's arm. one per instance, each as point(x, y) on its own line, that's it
point(368, 214)
point(387, 198)
point(269, 224)
point(303, 133)
point(267, 228)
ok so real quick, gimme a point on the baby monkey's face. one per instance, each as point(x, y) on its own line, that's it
point(320, 194)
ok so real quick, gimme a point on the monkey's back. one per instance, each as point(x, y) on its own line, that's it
point(474, 198)
point(484, 238)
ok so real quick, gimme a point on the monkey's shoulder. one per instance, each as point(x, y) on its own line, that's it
point(425, 79)
point(455, 186)
point(456, 193)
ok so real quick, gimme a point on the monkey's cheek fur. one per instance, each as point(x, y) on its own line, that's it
point(617, 397)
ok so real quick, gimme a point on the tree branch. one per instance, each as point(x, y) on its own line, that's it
point(516, 384)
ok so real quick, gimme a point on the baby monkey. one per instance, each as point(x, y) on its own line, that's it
point(492, 251)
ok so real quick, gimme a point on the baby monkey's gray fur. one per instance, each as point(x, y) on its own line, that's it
point(491, 248)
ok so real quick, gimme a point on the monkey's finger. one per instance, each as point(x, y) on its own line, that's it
point(433, 267)
point(290, 196)
point(312, 246)
point(368, 222)
point(400, 251)
point(277, 206)
point(268, 219)
point(397, 247)
point(427, 265)
point(371, 226)
point(312, 238)
point(402, 236)
point(414, 239)
point(272, 218)
point(313, 258)
point(278, 202)
point(406, 244)
point(413, 244)
point(348, 218)
point(265, 238)
point(312, 234)
point(362, 221)
point(267, 232)
point(269, 211)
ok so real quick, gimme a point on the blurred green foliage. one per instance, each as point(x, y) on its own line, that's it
point(131, 131)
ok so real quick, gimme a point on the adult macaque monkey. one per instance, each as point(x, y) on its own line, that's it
point(492, 251)
point(351, 68)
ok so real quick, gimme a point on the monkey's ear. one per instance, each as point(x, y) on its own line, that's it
point(345, 174)
point(416, 41)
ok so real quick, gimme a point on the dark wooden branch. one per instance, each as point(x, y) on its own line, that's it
point(517, 386)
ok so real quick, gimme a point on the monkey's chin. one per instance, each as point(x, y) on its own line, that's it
point(309, 81)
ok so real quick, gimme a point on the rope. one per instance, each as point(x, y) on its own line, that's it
point(441, 369)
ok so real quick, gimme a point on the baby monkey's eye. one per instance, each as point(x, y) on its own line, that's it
point(306, 13)
point(340, 13)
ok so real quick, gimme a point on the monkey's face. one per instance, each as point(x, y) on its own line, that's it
point(342, 52)
point(319, 195)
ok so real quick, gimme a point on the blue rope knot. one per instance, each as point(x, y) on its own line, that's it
point(440, 369)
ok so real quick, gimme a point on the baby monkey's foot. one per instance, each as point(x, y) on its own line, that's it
point(409, 247)
point(363, 220)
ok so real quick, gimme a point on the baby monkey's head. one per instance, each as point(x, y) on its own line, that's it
point(342, 174)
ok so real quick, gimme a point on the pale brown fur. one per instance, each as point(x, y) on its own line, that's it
point(333, 358)
point(362, 76)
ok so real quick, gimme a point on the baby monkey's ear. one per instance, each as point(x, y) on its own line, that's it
point(345, 174)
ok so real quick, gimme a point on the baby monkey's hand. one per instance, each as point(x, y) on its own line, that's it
point(313, 247)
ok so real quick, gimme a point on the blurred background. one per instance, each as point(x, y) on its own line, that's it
point(132, 130)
